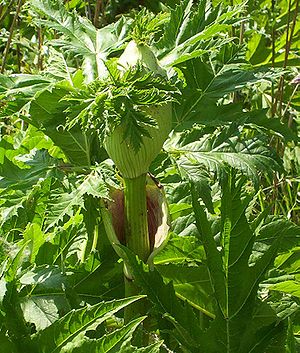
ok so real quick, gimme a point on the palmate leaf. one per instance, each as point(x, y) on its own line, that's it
point(213, 114)
point(215, 151)
point(80, 36)
point(191, 27)
point(241, 323)
point(74, 324)
point(205, 84)
point(81, 31)
point(62, 204)
point(20, 188)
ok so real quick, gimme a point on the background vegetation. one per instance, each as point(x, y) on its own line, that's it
point(228, 278)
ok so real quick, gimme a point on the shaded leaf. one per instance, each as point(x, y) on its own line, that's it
point(65, 330)
point(110, 343)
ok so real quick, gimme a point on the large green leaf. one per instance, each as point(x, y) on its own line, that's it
point(22, 84)
point(21, 187)
point(205, 84)
point(214, 261)
point(181, 249)
point(191, 27)
point(80, 36)
point(62, 204)
point(289, 287)
point(46, 295)
point(38, 166)
point(195, 151)
point(47, 113)
point(242, 324)
point(192, 284)
point(74, 324)
point(164, 299)
point(109, 343)
point(40, 97)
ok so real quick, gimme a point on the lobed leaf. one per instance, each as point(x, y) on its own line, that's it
point(109, 343)
point(77, 322)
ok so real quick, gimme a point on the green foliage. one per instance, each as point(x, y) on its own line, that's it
point(75, 324)
point(194, 30)
point(228, 278)
point(81, 37)
point(119, 100)
point(227, 286)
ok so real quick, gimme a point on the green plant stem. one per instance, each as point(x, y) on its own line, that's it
point(11, 31)
point(136, 224)
point(136, 235)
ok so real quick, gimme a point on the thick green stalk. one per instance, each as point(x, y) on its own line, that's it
point(136, 224)
point(136, 235)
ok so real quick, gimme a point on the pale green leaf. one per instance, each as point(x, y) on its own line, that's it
point(289, 287)
point(36, 238)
